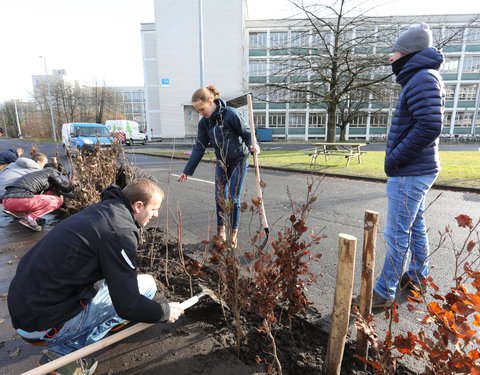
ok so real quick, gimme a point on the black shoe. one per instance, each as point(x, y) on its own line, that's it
point(408, 283)
point(41, 221)
point(378, 302)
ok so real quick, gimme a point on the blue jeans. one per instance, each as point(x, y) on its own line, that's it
point(405, 230)
point(94, 322)
point(229, 182)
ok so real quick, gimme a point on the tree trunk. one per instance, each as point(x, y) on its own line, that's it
point(343, 133)
point(332, 121)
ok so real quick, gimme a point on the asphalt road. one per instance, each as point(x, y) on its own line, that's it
point(339, 209)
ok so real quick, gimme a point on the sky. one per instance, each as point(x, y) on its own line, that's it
point(99, 40)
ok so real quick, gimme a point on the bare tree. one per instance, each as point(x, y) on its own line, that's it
point(335, 57)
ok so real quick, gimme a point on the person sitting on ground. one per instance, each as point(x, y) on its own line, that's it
point(26, 194)
point(10, 156)
point(1, 132)
point(19, 168)
point(99, 242)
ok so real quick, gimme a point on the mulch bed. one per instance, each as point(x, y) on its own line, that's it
point(301, 350)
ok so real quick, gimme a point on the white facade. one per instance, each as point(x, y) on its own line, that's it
point(171, 58)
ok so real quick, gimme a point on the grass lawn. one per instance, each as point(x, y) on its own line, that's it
point(458, 168)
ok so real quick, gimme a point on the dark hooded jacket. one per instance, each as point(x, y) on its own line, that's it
point(56, 278)
point(412, 145)
point(36, 183)
point(226, 131)
point(9, 156)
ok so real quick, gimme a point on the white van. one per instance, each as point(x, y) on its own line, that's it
point(83, 136)
point(129, 132)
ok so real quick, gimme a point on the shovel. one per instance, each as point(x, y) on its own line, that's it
point(107, 341)
point(240, 102)
point(257, 171)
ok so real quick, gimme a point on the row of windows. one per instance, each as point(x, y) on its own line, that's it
point(471, 64)
point(318, 119)
point(466, 92)
point(260, 67)
point(379, 94)
point(282, 39)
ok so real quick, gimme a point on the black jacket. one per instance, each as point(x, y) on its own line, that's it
point(9, 156)
point(226, 131)
point(36, 183)
point(56, 277)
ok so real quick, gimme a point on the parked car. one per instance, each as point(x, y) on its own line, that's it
point(83, 136)
point(126, 131)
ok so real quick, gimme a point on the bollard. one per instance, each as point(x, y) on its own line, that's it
point(342, 303)
point(366, 289)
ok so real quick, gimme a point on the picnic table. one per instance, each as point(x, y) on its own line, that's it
point(348, 150)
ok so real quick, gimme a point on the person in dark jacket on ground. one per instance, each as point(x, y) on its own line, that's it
point(80, 280)
point(20, 168)
point(10, 156)
point(412, 162)
point(26, 194)
point(225, 130)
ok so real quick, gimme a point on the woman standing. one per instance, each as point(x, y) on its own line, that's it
point(225, 130)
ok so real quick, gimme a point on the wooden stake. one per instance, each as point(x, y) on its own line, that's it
point(342, 303)
point(366, 289)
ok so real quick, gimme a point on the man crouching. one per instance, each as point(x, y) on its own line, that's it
point(53, 300)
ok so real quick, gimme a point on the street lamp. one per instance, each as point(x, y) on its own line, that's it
point(49, 97)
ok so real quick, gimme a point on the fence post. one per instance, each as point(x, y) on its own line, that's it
point(342, 303)
point(366, 289)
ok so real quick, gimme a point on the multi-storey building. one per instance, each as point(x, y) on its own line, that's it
point(130, 104)
point(249, 57)
point(294, 119)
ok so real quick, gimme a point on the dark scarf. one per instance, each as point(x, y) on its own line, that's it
point(398, 65)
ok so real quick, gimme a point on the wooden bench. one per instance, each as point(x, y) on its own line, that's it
point(348, 150)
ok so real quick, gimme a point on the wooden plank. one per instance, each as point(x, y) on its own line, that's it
point(342, 303)
point(366, 289)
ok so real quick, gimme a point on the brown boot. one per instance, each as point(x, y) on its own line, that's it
point(234, 237)
point(221, 233)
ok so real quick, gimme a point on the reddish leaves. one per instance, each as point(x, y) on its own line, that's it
point(464, 221)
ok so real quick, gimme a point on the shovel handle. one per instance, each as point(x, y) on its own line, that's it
point(255, 163)
point(103, 343)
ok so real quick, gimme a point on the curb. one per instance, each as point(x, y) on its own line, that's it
point(327, 174)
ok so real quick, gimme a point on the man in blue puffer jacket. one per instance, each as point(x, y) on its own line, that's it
point(411, 161)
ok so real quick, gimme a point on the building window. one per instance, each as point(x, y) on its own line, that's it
point(359, 121)
point(449, 92)
point(379, 120)
point(278, 39)
point(276, 120)
point(463, 119)
point(299, 38)
point(278, 68)
point(453, 35)
point(257, 40)
point(471, 64)
point(468, 93)
point(298, 96)
point(473, 36)
point(278, 95)
point(317, 120)
point(257, 68)
point(259, 119)
point(450, 65)
point(296, 120)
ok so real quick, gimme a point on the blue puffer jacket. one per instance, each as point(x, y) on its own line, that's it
point(227, 132)
point(412, 146)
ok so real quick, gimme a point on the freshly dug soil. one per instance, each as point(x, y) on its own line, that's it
point(301, 350)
